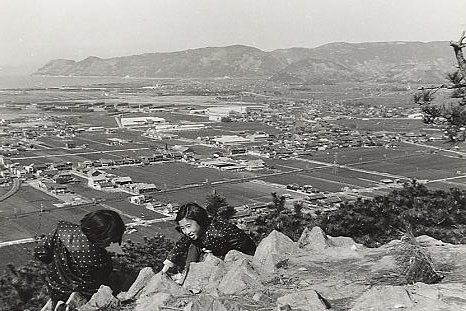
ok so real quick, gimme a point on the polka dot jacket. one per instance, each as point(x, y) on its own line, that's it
point(74, 263)
point(219, 238)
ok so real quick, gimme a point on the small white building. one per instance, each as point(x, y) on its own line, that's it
point(141, 121)
point(228, 140)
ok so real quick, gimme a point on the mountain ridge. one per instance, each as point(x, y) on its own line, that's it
point(397, 61)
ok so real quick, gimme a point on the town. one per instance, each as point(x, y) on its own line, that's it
point(144, 148)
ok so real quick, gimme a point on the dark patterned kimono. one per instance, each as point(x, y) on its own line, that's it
point(219, 238)
point(74, 263)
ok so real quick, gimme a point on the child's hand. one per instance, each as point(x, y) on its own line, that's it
point(165, 269)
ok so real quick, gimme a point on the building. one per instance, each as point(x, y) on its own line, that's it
point(228, 140)
point(141, 121)
point(121, 181)
point(141, 188)
point(221, 112)
point(137, 199)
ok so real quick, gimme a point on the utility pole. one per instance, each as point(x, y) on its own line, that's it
point(335, 163)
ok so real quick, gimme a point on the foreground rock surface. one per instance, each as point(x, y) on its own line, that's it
point(317, 273)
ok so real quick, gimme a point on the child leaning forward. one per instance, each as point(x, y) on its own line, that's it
point(201, 234)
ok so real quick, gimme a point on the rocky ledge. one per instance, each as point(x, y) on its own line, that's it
point(318, 272)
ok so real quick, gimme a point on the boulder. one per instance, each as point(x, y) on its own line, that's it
point(205, 275)
point(273, 251)
point(153, 302)
point(75, 301)
point(317, 240)
point(324, 247)
point(102, 300)
point(143, 278)
point(384, 298)
point(307, 300)
point(234, 256)
point(209, 303)
point(160, 283)
point(451, 296)
point(241, 277)
point(314, 239)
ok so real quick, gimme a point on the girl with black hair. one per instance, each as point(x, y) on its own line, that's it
point(201, 234)
point(76, 256)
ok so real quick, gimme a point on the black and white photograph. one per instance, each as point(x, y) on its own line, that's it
point(240, 155)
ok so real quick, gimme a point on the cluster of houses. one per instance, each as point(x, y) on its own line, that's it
point(102, 180)
point(55, 171)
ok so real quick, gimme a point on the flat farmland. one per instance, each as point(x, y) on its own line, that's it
point(27, 199)
point(166, 228)
point(434, 161)
point(174, 174)
point(94, 119)
point(349, 156)
point(324, 182)
point(291, 164)
point(420, 166)
point(128, 208)
point(175, 117)
point(27, 226)
point(236, 194)
point(388, 124)
point(249, 192)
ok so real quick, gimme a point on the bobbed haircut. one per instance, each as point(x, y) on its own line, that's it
point(195, 212)
point(103, 227)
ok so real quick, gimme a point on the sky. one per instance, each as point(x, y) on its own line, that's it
point(37, 31)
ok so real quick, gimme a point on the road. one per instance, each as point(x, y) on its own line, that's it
point(79, 153)
point(13, 190)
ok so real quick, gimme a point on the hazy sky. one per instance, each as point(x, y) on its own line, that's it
point(36, 31)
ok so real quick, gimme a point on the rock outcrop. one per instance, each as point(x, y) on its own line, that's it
point(306, 275)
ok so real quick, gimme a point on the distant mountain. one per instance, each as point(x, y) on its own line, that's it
point(380, 61)
point(231, 61)
point(330, 63)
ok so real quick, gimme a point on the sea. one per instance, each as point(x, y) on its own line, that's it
point(28, 82)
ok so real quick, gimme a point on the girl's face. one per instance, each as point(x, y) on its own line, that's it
point(190, 228)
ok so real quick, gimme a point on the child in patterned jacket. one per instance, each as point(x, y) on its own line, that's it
point(202, 235)
point(76, 256)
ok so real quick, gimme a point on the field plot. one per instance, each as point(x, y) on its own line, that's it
point(348, 156)
point(174, 174)
point(128, 208)
point(291, 164)
point(389, 124)
point(420, 166)
point(236, 194)
point(321, 181)
point(173, 117)
point(27, 199)
point(166, 228)
point(27, 226)
point(94, 119)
